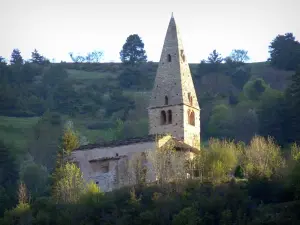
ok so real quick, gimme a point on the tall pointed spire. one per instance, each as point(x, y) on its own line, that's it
point(173, 74)
point(173, 105)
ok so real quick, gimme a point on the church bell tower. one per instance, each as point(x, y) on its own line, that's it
point(174, 108)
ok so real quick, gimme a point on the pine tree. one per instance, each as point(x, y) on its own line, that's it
point(133, 50)
point(16, 57)
point(38, 58)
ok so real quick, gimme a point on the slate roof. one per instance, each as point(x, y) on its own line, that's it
point(116, 143)
point(179, 145)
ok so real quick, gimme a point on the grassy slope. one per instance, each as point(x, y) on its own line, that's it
point(16, 128)
point(12, 129)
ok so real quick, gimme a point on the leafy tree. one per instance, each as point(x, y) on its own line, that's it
point(293, 108)
point(220, 122)
point(130, 77)
point(8, 178)
point(239, 56)
point(94, 57)
point(16, 57)
point(285, 52)
point(254, 88)
point(38, 58)
point(263, 158)
point(133, 50)
point(35, 177)
point(68, 183)
point(69, 142)
point(271, 114)
point(240, 76)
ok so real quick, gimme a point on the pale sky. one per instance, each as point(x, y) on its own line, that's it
point(58, 27)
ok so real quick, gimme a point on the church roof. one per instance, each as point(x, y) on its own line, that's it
point(179, 145)
point(116, 143)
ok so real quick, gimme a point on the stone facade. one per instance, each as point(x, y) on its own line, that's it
point(174, 107)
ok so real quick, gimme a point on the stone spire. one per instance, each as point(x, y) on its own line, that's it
point(173, 105)
point(173, 76)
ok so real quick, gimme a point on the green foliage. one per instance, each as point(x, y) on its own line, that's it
point(253, 89)
point(285, 52)
point(38, 58)
point(239, 56)
point(35, 177)
point(215, 58)
point(219, 124)
point(8, 177)
point(263, 158)
point(293, 108)
point(239, 172)
point(133, 50)
point(16, 57)
point(68, 183)
point(20, 215)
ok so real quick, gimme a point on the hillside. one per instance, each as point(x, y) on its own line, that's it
point(99, 94)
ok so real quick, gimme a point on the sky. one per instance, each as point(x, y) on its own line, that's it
point(58, 27)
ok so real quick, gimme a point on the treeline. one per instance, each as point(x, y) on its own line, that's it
point(228, 183)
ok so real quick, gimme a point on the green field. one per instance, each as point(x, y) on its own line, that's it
point(84, 75)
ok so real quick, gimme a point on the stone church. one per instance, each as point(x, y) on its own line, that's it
point(174, 115)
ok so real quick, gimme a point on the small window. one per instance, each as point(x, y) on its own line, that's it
point(190, 97)
point(191, 117)
point(163, 118)
point(169, 117)
point(169, 58)
point(166, 100)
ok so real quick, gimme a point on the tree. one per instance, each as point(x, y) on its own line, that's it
point(16, 57)
point(94, 57)
point(285, 52)
point(293, 109)
point(2, 60)
point(68, 183)
point(215, 58)
point(253, 89)
point(271, 114)
point(133, 50)
point(239, 56)
point(263, 157)
point(38, 58)
point(69, 142)
point(8, 178)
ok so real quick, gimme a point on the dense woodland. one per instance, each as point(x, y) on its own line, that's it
point(246, 173)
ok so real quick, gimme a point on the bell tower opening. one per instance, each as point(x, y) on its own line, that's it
point(163, 117)
point(169, 58)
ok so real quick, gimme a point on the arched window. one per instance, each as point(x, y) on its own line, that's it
point(166, 100)
point(191, 117)
point(169, 58)
point(169, 116)
point(163, 118)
